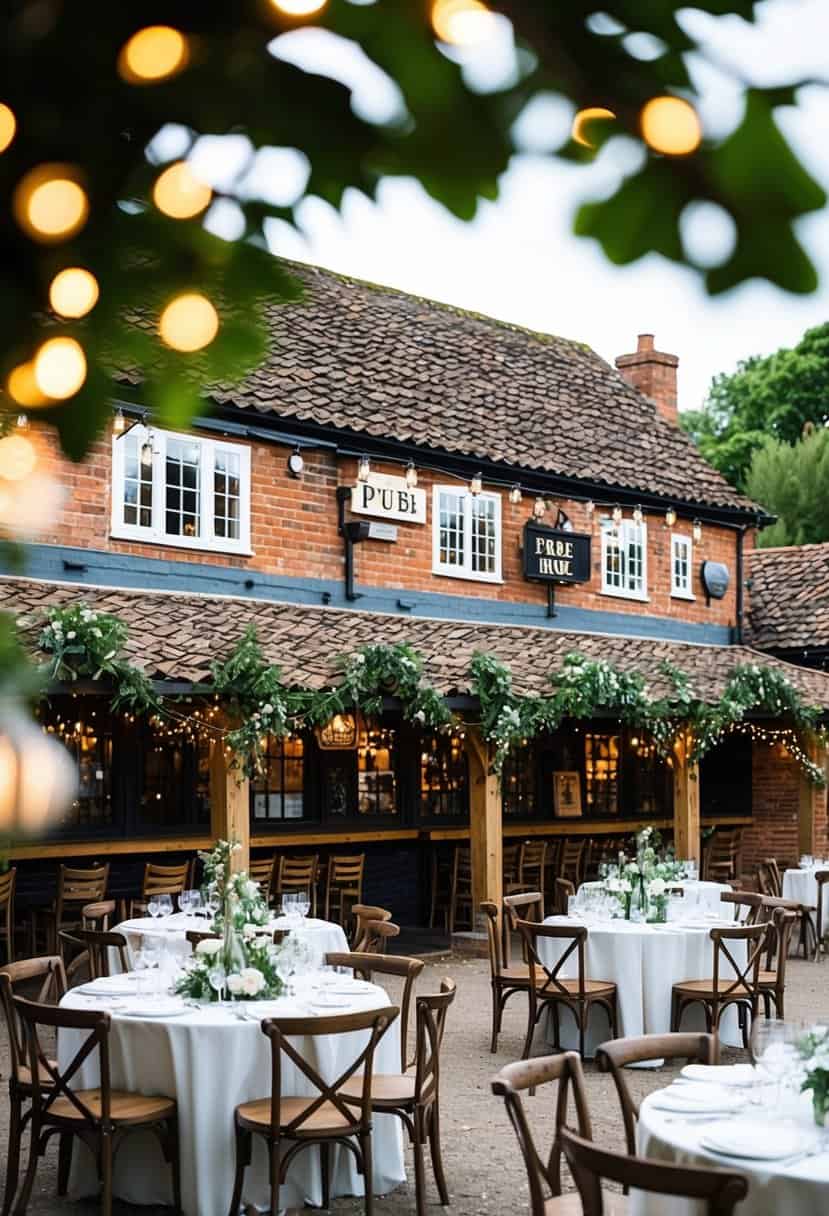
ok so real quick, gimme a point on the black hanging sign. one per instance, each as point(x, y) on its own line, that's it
point(552, 555)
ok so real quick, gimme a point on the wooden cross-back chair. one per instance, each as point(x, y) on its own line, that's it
point(564, 890)
point(160, 880)
point(194, 936)
point(261, 870)
point(440, 886)
point(7, 884)
point(415, 1099)
point(298, 874)
point(723, 990)
point(544, 1171)
point(378, 934)
point(367, 966)
point(99, 1117)
point(509, 864)
point(532, 857)
point(75, 889)
point(43, 978)
point(291, 1124)
point(719, 1190)
point(775, 876)
point(806, 923)
point(95, 916)
point(618, 1054)
point(94, 946)
point(547, 987)
point(344, 886)
point(821, 878)
point(529, 905)
point(572, 861)
point(363, 914)
point(505, 980)
point(746, 905)
point(772, 978)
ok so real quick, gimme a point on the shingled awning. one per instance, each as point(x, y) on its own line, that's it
point(789, 602)
point(176, 637)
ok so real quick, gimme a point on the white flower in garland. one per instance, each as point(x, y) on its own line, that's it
point(209, 945)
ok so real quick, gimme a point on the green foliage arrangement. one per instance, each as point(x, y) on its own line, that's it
point(89, 644)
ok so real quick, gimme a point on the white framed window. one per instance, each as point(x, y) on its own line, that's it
point(466, 534)
point(682, 567)
point(181, 490)
point(625, 559)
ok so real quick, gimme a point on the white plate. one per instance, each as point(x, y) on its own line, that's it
point(154, 1011)
point(722, 1074)
point(755, 1141)
point(335, 1003)
point(349, 987)
point(691, 1098)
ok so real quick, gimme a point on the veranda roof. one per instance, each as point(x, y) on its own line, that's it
point(176, 636)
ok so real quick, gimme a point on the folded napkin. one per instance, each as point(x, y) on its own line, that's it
point(722, 1074)
point(697, 1098)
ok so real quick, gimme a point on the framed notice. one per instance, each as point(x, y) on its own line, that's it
point(567, 795)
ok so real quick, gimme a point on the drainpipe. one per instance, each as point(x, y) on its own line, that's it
point(740, 564)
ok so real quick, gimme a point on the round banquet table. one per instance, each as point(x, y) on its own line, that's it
point(700, 897)
point(800, 885)
point(644, 961)
point(323, 936)
point(800, 1188)
point(210, 1061)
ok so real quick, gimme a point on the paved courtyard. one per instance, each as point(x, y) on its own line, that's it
point(483, 1167)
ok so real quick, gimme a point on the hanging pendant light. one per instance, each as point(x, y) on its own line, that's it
point(515, 495)
point(476, 485)
point(539, 508)
point(411, 475)
point(670, 517)
point(363, 468)
point(696, 531)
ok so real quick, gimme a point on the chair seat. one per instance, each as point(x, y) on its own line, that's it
point(390, 1089)
point(592, 988)
point(24, 1074)
point(768, 979)
point(704, 988)
point(124, 1107)
point(257, 1116)
point(613, 1204)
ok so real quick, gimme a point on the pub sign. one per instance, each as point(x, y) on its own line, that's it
point(552, 555)
point(386, 497)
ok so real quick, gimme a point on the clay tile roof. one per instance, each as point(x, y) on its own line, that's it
point(789, 597)
point(176, 636)
point(375, 361)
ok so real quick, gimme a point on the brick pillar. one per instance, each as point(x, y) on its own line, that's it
point(654, 374)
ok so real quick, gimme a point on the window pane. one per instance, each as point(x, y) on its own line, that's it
point(182, 469)
point(450, 539)
point(138, 485)
point(376, 784)
point(176, 787)
point(483, 535)
point(85, 726)
point(518, 782)
point(444, 777)
point(226, 511)
point(277, 792)
point(601, 771)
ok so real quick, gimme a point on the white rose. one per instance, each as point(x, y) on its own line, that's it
point(267, 709)
point(251, 889)
point(420, 716)
point(209, 945)
point(71, 634)
point(234, 984)
point(656, 887)
point(249, 930)
point(252, 980)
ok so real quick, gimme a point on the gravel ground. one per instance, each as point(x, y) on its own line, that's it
point(483, 1166)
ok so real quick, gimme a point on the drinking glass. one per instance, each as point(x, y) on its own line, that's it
point(185, 901)
point(153, 908)
point(303, 903)
point(195, 902)
point(807, 861)
point(774, 1051)
point(165, 903)
point(139, 966)
point(572, 905)
point(218, 980)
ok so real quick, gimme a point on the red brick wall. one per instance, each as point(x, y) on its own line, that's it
point(776, 805)
point(294, 532)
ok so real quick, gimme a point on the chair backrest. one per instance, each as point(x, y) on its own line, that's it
point(462, 869)
point(718, 1190)
point(7, 882)
point(97, 943)
point(544, 1177)
point(405, 969)
point(430, 1014)
point(821, 878)
point(346, 872)
point(80, 886)
point(776, 876)
point(552, 985)
point(572, 860)
point(164, 880)
point(615, 1056)
point(97, 915)
point(261, 870)
point(280, 1032)
point(490, 911)
point(47, 977)
point(297, 873)
point(780, 926)
point(744, 982)
point(747, 905)
point(528, 905)
point(48, 1080)
point(765, 883)
point(363, 913)
point(564, 889)
point(531, 858)
point(509, 862)
point(194, 936)
point(377, 936)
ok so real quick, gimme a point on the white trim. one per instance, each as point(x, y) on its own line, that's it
point(206, 541)
point(625, 592)
point(677, 592)
point(465, 570)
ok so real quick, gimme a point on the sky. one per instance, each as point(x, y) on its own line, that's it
point(519, 261)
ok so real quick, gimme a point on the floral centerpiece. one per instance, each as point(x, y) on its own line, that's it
point(642, 882)
point(813, 1049)
point(243, 962)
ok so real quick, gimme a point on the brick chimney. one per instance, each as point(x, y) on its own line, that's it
point(653, 373)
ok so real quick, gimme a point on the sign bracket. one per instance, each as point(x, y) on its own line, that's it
point(551, 600)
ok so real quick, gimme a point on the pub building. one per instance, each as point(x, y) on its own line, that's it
point(402, 471)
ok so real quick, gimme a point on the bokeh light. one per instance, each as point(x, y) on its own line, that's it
point(461, 22)
point(8, 126)
point(299, 8)
point(153, 54)
point(17, 457)
point(670, 125)
point(73, 292)
point(582, 121)
point(50, 204)
point(189, 322)
point(60, 368)
point(22, 386)
point(179, 193)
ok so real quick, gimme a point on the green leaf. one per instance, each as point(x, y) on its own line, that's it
point(640, 218)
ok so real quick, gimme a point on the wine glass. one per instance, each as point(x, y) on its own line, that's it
point(185, 901)
point(218, 979)
point(774, 1050)
point(303, 903)
point(152, 907)
point(165, 903)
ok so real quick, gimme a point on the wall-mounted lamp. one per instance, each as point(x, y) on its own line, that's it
point(476, 485)
point(411, 475)
point(696, 531)
point(617, 515)
point(363, 468)
point(147, 450)
point(539, 508)
point(670, 517)
point(563, 521)
point(515, 495)
point(296, 464)
point(119, 422)
point(638, 515)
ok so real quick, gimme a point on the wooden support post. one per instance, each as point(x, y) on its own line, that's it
point(686, 802)
point(485, 833)
point(811, 820)
point(229, 804)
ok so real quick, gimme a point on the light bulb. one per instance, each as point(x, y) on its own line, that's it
point(462, 22)
point(617, 514)
point(50, 204)
point(8, 126)
point(670, 517)
point(582, 123)
point(637, 515)
point(411, 475)
point(515, 495)
point(60, 368)
point(299, 8)
point(539, 508)
point(73, 292)
point(179, 193)
point(188, 323)
point(22, 422)
point(696, 531)
point(23, 388)
point(476, 485)
point(670, 125)
point(119, 422)
point(363, 469)
point(153, 54)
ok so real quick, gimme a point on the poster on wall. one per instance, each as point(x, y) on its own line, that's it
point(567, 795)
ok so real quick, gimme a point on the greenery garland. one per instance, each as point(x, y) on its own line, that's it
point(86, 643)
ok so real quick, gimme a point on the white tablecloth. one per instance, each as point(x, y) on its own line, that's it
point(209, 1061)
point(644, 961)
point(801, 1189)
point(800, 885)
point(323, 936)
point(699, 896)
